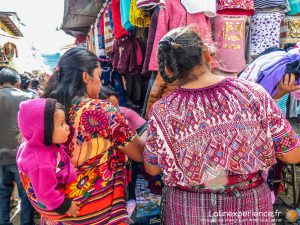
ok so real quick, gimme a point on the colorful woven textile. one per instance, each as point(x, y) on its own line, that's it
point(97, 130)
point(234, 125)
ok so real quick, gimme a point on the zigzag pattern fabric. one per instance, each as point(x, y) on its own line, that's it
point(233, 126)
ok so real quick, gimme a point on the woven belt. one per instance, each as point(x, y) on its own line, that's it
point(227, 189)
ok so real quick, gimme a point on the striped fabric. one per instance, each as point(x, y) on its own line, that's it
point(98, 207)
point(261, 4)
point(253, 208)
point(108, 32)
point(149, 4)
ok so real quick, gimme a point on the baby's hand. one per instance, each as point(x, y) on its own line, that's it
point(74, 209)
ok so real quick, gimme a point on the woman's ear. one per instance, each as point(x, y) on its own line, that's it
point(168, 71)
point(207, 55)
point(85, 77)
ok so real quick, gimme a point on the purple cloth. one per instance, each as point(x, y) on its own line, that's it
point(270, 78)
point(46, 166)
point(150, 41)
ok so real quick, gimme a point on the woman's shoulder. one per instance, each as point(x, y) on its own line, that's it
point(246, 84)
point(93, 104)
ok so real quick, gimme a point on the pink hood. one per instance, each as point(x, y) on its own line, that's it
point(31, 121)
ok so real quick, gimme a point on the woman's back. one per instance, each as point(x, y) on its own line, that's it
point(199, 133)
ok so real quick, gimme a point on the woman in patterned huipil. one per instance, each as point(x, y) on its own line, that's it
point(212, 138)
point(100, 143)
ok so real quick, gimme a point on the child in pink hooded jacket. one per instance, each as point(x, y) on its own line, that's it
point(43, 164)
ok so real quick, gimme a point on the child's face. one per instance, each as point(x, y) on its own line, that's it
point(113, 100)
point(61, 129)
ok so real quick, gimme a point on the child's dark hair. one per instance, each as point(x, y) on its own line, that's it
point(106, 92)
point(180, 50)
point(59, 106)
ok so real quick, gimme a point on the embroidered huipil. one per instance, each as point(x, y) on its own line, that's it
point(230, 37)
point(97, 131)
point(234, 125)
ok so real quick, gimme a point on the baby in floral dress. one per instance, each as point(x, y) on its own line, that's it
point(42, 161)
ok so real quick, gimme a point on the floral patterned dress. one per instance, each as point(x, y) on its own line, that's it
point(97, 131)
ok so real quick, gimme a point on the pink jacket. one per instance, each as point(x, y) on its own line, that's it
point(173, 16)
point(46, 166)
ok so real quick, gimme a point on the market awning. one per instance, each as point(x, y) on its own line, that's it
point(79, 15)
point(5, 18)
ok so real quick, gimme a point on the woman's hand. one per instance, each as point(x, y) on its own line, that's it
point(286, 85)
point(74, 209)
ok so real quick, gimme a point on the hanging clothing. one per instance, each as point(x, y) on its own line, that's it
point(295, 7)
point(133, 87)
point(149, 4)
point(101, 41)
point(127, 56)
point(230, 38)
point(266, 4)
point(150, 40)
point(96, 36)
point(195, 134)
point(236, 7)
point(208, 7)
point(150, 85)
point(119, 31)
point(10, 50)
point(125, 14)
point(265, 28)
point(108, 32)
point(290, 30)
point(138, 17)
point(174, 15)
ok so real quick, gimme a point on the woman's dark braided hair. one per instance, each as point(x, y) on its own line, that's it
point(180, 50)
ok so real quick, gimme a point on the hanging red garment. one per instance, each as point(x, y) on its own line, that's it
point(236, 7)
point(116, 15)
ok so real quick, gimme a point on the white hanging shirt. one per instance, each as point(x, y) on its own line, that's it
point(208, 7)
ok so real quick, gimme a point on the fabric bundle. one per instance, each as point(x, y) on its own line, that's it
point(268, 69)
